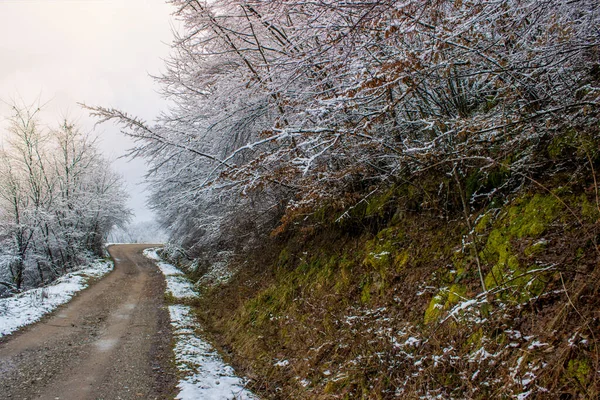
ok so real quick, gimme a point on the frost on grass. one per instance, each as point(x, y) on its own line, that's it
point(206, 375)
point(30, 306)
point(178, 285)
point(474, 357)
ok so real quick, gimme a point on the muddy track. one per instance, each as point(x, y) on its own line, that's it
point(113, 341)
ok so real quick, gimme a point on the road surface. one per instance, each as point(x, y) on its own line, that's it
point(113, 341)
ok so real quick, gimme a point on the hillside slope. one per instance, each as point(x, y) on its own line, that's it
point(397, 300)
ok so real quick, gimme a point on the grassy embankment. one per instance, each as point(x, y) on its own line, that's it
point(407, 296)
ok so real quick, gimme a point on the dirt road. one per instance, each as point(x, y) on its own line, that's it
point(113, 341)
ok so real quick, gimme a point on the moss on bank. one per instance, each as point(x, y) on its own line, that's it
point(377, 315)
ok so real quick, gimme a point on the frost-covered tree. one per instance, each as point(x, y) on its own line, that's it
point(58, 200)
point(310, 103)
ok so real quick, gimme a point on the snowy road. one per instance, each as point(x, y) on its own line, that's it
point(111, 342)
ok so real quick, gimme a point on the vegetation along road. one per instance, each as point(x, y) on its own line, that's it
point(111, 342)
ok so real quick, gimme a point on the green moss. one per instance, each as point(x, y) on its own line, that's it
point(481, 182)
point(536, 248)
point(525, 283)
point(497, 248)
point(589, 211)
point(365, 293)
point(526, 218)
point(573, 143)
point(562, 144)
point(532, 216)
point(533, 282)
point(445, 299)
point(401, 260)
point(456, 294)
point(483, 223)
point(377, 203)
point(472, 183)
point(436, 306)
point(380, 258)
point(380, 251)
point(495, 277)
point(460, 262)
point(384, 257)
point(580, 370)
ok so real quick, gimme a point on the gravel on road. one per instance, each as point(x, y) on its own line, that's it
point(113, 341)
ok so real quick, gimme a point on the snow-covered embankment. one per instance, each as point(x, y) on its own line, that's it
point(204, 375)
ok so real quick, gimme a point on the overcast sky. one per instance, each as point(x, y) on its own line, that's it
point(98, 52)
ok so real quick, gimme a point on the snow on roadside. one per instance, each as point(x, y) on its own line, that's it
point(30, 306)
point(204, 373)
point(152, 254)
point(178, 285)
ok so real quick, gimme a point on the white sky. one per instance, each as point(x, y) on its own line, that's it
point(98, 52)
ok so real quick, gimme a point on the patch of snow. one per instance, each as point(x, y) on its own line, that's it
point(515, 370)
point(380, 255)
point(282, 363)
point(528, 378)
point(28, 307)
point(463, 306)
point(426, 289)
point(151, 254)
point(524, 395)
point(412, 341)
point(206, 375)
point(169, 269)
point(178, 285)
point(536, 344)
point(480, 355)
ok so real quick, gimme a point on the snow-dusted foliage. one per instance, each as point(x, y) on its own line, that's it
point(58, 201)
point(312, 102)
